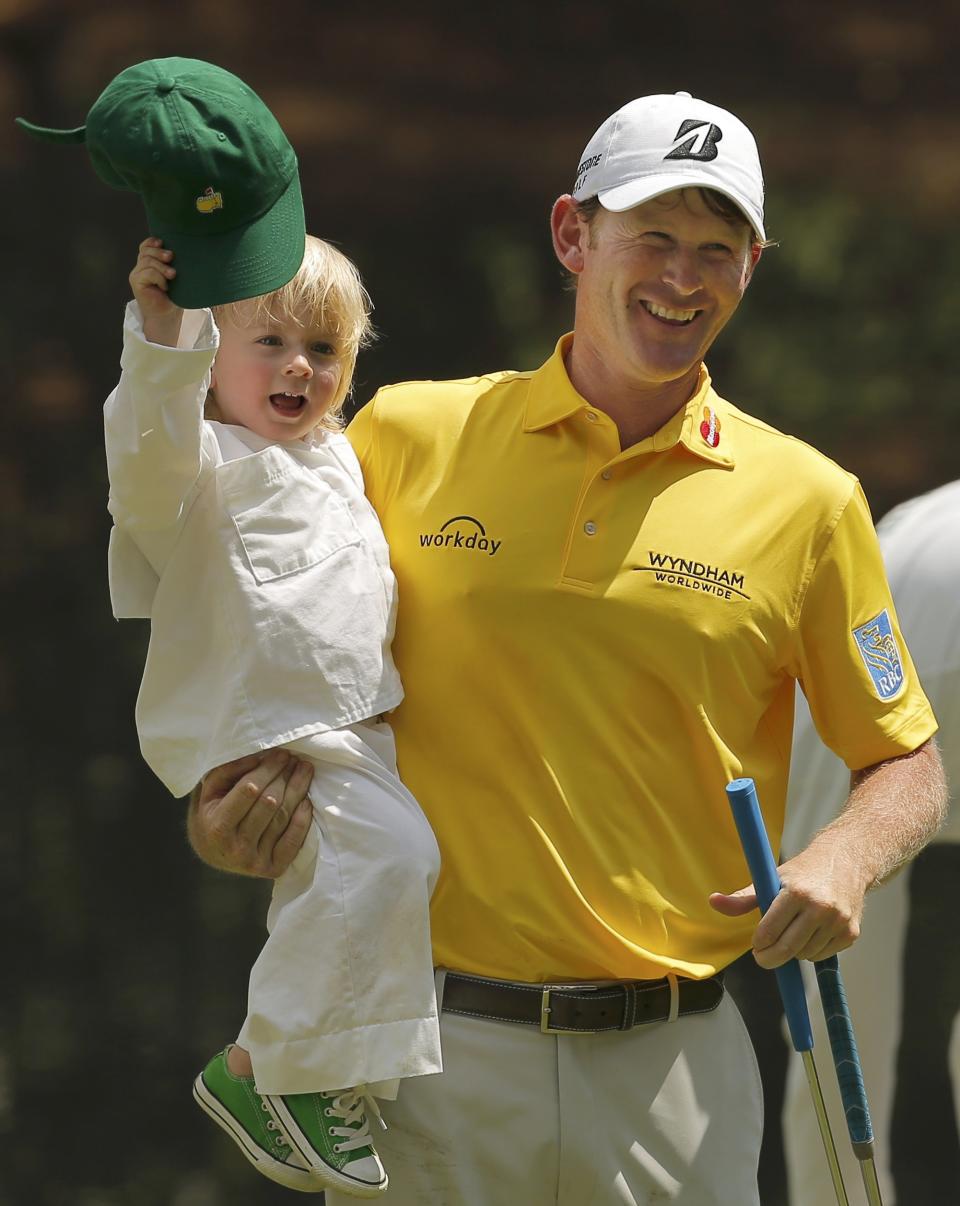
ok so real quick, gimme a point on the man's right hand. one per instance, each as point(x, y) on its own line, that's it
point(252, 815)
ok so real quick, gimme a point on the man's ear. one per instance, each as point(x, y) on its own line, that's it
point(569, 232)
point(756, 251)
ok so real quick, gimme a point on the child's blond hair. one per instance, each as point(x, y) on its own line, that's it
point(328, 288)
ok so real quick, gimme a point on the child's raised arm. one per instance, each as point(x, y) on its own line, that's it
point(157, 446)
point(150, 280)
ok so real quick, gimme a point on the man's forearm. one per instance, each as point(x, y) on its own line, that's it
point(893, 810)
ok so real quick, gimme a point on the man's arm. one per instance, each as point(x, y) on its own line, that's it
point(893, 810)
point(252, 815)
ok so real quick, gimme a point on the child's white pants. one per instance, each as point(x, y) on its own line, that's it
point(342, 993)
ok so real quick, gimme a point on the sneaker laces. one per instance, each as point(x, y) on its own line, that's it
point(351, 1105)
point(279, 1138)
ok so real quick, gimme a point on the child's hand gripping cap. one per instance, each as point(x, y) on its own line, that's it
point(216, 173)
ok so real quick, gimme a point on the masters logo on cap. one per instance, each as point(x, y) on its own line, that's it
point(216, 173)
point(656, 144)
point(209, 201)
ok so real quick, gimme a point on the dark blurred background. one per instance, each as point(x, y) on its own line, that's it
point(432, 139)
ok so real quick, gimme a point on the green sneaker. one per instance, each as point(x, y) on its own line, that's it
point(234, 1104)
point(331, 1133)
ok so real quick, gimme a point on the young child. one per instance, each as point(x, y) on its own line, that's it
point(242, 530)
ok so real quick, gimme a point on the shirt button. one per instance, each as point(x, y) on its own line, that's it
point(607, 474)
point(590, 528)
point(592, 416)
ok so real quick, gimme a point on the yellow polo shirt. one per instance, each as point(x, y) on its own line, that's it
point(594, 642)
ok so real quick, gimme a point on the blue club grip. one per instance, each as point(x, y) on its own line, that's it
point(742, 795)
point(846, 1058)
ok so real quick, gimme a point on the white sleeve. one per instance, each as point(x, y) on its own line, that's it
point(158, 445)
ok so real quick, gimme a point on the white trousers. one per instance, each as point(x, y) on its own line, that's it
point(668, 1112)
point(342, 993)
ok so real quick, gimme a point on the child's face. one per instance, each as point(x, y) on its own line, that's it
point(276, 378)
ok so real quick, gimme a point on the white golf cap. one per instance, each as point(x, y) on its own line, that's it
point(660, 143)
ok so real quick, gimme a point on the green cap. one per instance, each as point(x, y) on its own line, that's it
point(216, 173)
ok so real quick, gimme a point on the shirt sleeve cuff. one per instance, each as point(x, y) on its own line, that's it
point(173, 368)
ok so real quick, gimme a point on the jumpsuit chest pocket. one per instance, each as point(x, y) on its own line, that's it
point(287, 517)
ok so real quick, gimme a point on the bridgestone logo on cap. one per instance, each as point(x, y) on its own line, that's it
point(702, 145)
point(585, 167)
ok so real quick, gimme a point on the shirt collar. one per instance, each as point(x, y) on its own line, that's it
point(551, 396)
point(699, 425)
point(312, 449)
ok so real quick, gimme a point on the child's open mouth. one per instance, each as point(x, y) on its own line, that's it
point(289, 405)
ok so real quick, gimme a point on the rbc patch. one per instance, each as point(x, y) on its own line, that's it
point(881, 655)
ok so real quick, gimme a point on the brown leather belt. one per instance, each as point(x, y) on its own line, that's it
point(578, 1008)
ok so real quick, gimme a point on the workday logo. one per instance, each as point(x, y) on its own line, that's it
point(461, 532)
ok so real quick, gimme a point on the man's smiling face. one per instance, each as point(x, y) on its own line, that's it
point(657, 285)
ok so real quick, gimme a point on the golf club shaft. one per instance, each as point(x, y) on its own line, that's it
point(742, 795)
point(823, 1122)
point(868, 1170)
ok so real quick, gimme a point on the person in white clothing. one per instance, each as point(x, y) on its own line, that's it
point(903, 976)
point(242, 531)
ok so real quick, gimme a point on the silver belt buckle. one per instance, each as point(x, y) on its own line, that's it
point(545, 1027)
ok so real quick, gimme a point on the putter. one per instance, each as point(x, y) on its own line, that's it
point(742, 795)
point(846, 1060)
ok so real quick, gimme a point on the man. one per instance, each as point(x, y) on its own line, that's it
point(903, 977)
point(610, 580)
